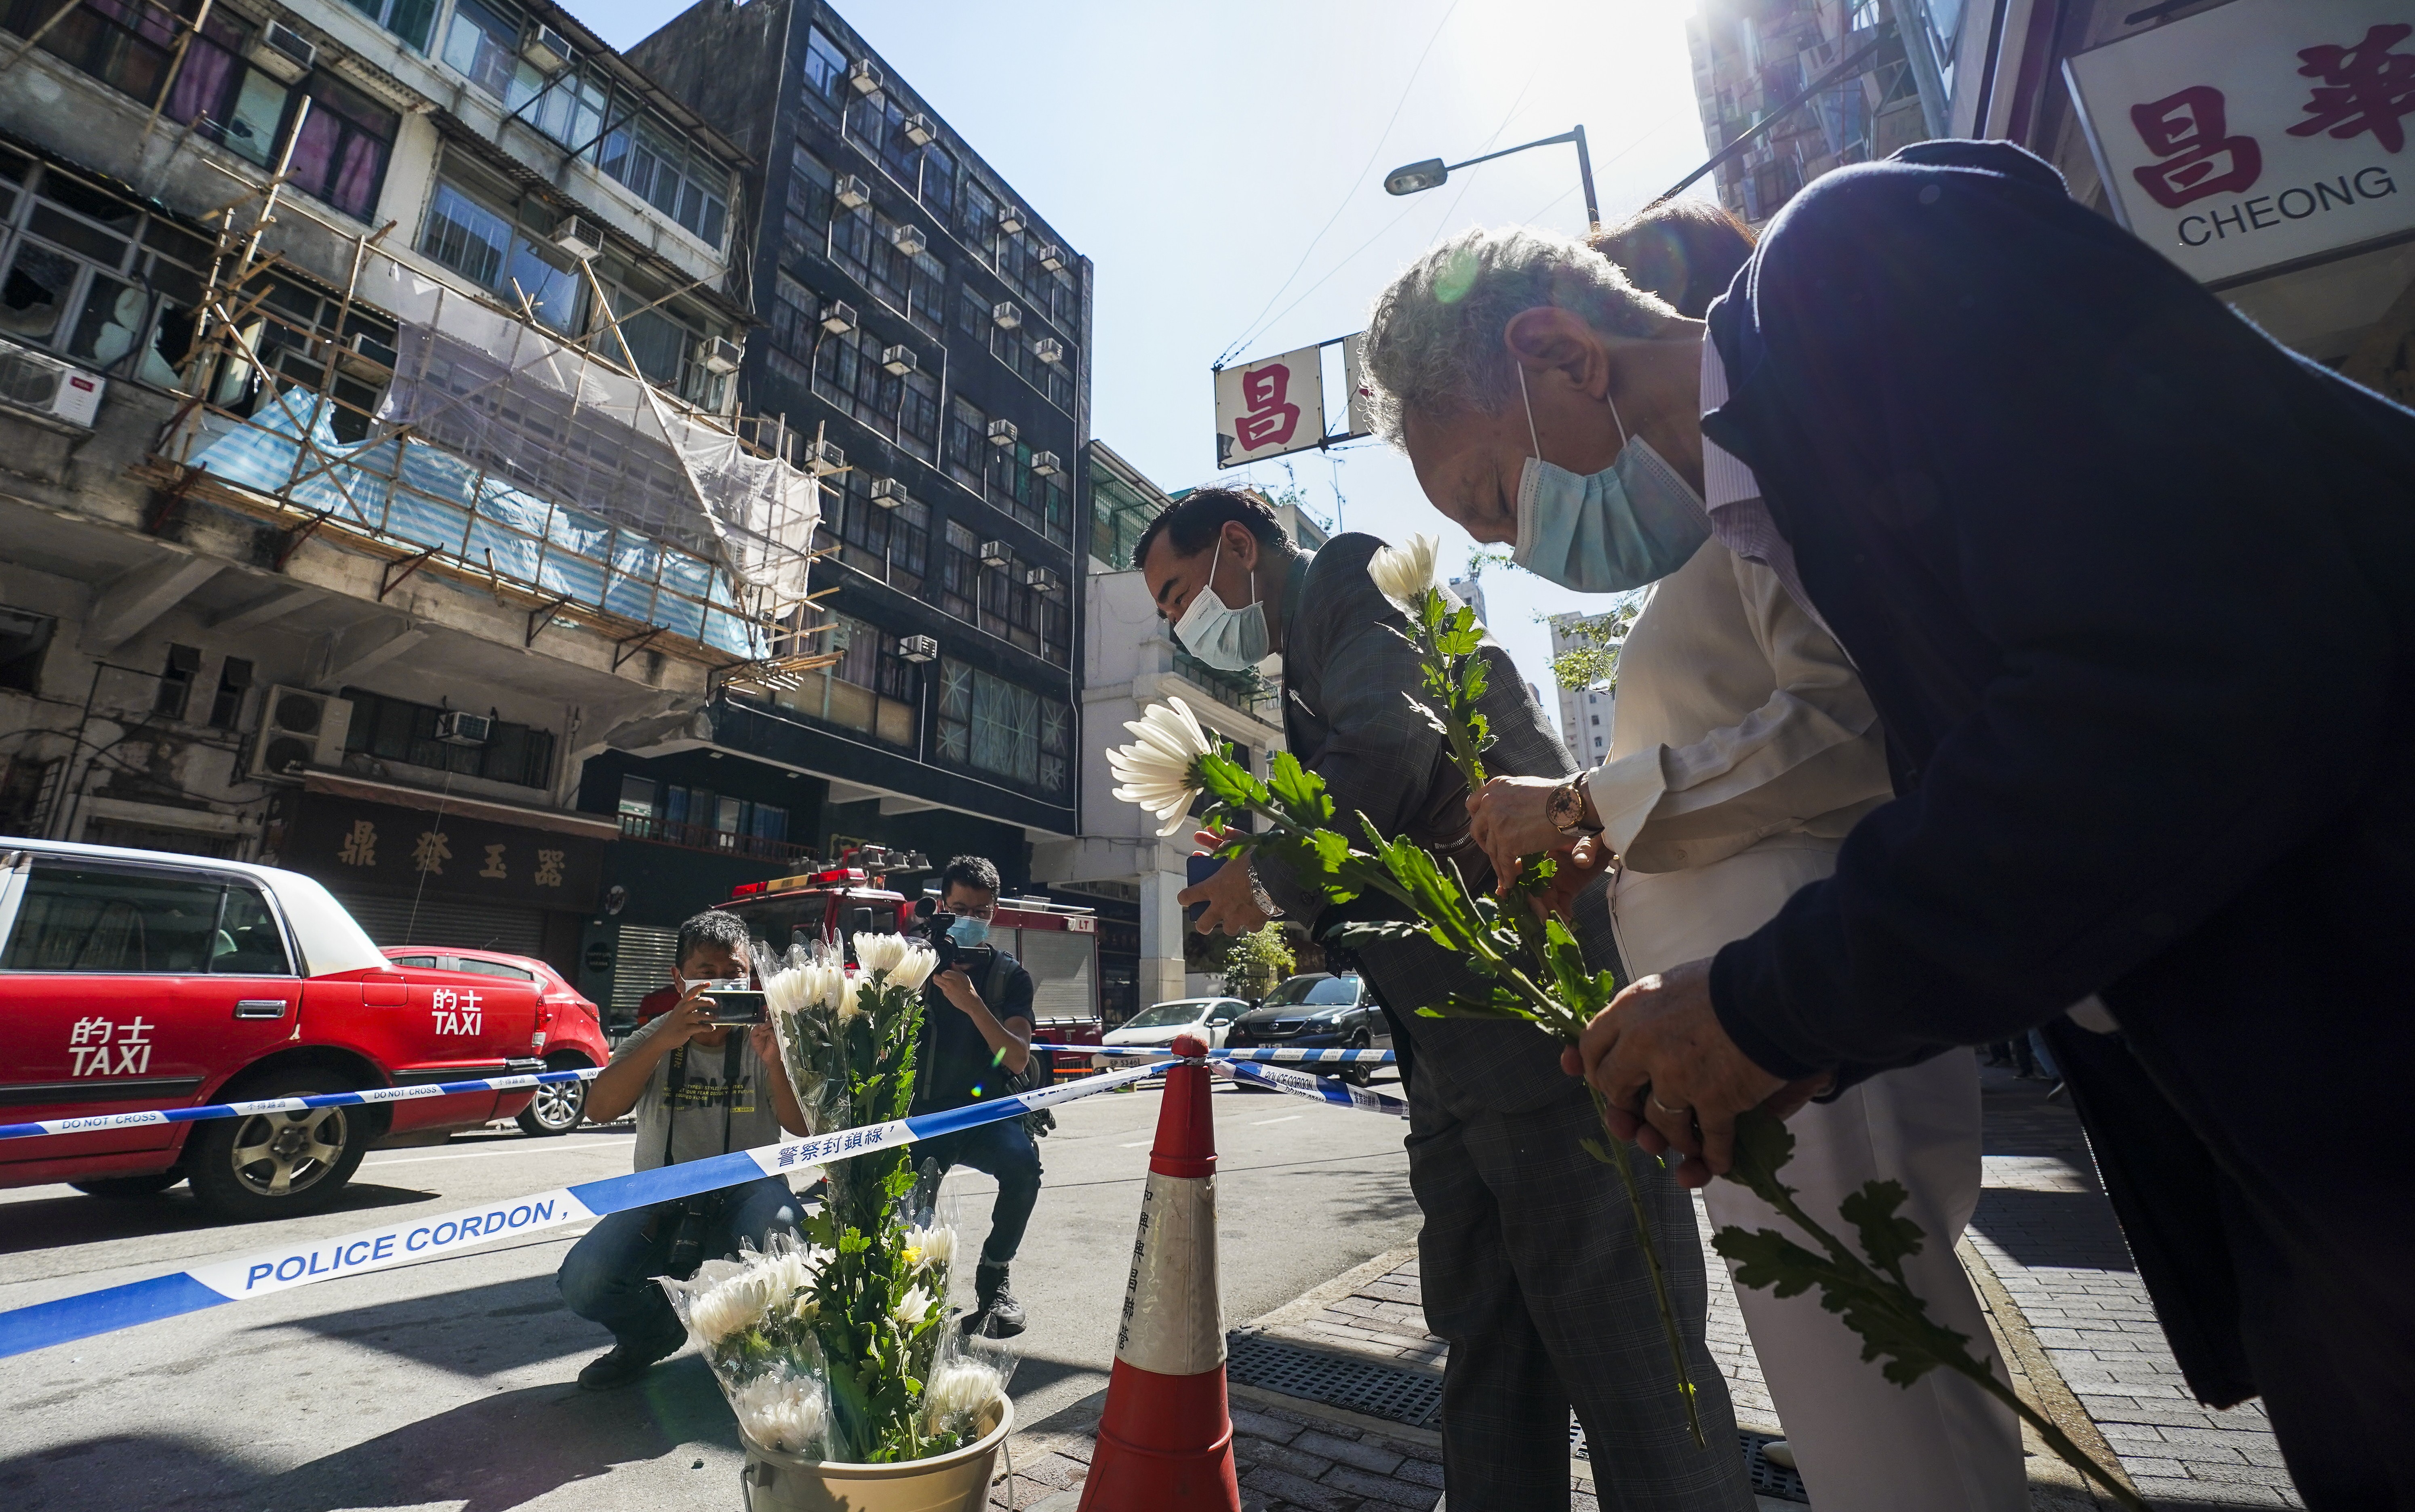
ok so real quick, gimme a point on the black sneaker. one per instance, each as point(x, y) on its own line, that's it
point(621, 1364)
point(996, 1313)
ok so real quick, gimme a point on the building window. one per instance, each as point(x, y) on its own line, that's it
point(939, 183)
point(977, 223)
point(994, 726)
point(24, 639)
point(483, 46)
point(825, 73)
point(411, 20)
point(175, 688)
point(959, 581)
point(339, 153)
point(918, 416)
point(794, 329)
point(93, 276)
point(493, 247)
point(869, 689)
point(968, 443)
point(393, 729)
point(235, 680)
point(810, 205)
point(637, 796)
point(124, 43)
point(684, 184)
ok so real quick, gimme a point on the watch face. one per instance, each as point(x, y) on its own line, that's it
point(1566, 807)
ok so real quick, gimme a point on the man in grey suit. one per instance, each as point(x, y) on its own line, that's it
point(1529, 1259)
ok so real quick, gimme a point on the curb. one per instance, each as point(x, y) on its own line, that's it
point(2054, 1485)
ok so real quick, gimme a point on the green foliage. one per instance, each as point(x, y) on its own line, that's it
point(1592, 660)
point(1257, 961)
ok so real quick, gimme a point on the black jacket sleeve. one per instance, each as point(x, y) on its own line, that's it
point(2115, 565)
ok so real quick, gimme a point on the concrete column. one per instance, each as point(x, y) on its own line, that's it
point(1159, 978)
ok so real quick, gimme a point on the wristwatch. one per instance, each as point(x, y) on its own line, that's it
point(1266, 904)
point(1567, 810)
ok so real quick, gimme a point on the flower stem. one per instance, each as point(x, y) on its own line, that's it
point(1649, 1241)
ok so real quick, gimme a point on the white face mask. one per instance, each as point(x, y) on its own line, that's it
point(1228, 639)
point(1633, 522)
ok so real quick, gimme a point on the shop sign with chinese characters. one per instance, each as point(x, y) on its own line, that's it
point(391, 849)
point(1276, 406)
point(2258, 133)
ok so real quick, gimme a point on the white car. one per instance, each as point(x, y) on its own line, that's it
point(1161, 1024)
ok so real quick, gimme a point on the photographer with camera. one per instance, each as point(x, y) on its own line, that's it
point(976, 1045)
point(705, 1078)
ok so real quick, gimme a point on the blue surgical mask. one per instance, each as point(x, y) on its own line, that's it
point(968, 931)
point(1228, 639)
point(1634, 523)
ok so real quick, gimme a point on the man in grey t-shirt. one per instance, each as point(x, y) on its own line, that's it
point(699, 1091)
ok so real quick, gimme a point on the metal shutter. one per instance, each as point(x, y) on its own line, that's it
point(1063, 980)
point(642, 961)
point(476, 926)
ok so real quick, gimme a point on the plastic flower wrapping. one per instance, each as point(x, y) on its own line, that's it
point(837, 1343)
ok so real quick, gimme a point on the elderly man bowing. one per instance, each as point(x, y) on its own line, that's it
point(2029, 475)
point(1529, 1256)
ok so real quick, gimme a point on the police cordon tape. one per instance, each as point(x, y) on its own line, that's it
point(1301, 1085)
point(268, 1271)
point(98, 1121)
point(1287, 1056)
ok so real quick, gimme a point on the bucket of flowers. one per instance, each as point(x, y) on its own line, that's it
point(834, 1345)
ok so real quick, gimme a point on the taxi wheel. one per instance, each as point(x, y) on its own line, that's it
point(557, 1106)
point(124, 1186)
point(277, 1165)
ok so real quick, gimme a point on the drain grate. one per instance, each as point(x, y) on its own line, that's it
point(1414, 1397)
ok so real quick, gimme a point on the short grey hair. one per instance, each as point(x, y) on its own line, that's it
point(1434, 339)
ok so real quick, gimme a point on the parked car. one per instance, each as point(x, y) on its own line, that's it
point(1318, 1011)
point(135, 979)
point(1161, 1024)
point(569, 1027)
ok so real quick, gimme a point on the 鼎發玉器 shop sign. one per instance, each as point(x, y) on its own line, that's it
point(2258, 133)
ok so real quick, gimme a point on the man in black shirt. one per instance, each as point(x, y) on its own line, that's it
point(977, 1036)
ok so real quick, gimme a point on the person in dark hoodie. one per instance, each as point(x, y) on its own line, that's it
point(2036, 482)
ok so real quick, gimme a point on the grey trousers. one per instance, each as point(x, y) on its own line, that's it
point(1531, 1273)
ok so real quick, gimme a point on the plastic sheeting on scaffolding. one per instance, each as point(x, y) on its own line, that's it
point(522, 403)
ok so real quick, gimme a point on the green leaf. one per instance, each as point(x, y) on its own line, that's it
point(1763, 1145)
point(1228, 782)
point(1768, 1260)
point(1886, 1238)
point(1298, 792)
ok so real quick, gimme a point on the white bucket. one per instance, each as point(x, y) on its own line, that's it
point(954, 1482)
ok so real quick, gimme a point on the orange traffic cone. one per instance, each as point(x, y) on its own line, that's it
point(1165, 1440)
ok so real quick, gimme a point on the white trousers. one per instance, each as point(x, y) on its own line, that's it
point(1862, 1444)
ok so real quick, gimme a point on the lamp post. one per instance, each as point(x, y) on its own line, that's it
point(1416, 178)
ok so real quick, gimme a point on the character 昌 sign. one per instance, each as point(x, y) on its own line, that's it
point(1267, 408)
point(2258, 133)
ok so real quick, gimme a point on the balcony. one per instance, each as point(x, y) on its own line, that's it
point(1244, 691)
point(705, 837)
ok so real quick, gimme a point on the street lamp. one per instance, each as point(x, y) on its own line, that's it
point(1415, 178)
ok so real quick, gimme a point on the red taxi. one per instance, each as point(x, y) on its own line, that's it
point(133, 979)
point(569, 1031)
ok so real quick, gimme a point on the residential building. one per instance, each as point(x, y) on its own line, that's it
point(1589, 713)
point(373, 454)
point(1470, 590)
point(925, 346)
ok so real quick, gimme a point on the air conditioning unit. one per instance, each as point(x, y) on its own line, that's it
point(40, 382)
point(824, 457)
point(458, 727)
point(1041, 580)
point(1003, 433)
point(918, 648)
point(908, 239)
point(918, 129)
point(851, 192)
point(1049, 350)
point(285, 52)
point(1007, 313)
point(299, 728)
point(547, 49)
point(722, 355)
point(578, 236)
point(898, 361)
point(1010, 220)
point(1046, 464)
point(863, 78)
point(838, 317)
point(888, 492)
point(995, 554)
point(1052, 257)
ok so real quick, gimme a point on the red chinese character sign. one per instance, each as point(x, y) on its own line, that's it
point(1269, 408)
point(2258, 133)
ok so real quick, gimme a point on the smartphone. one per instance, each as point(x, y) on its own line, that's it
point(736, 1003)
point(1199, 870)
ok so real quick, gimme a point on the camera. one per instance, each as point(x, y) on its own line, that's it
point(933, 923)
point(737, 1003)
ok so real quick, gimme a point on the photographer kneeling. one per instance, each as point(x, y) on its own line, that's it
point(976, 1040)
point(699, 1088)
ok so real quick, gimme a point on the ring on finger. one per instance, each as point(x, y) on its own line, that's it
point(1673, 1113)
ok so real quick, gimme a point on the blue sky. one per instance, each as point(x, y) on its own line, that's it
point(1223, 166)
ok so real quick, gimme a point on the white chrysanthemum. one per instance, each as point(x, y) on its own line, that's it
point(731, 1305)
point(959, 1389)
point(912, 1308)
point(1156, 770)
point(850, 984)
point(1405, 573)
point(785, 1412)
point(880, 952)
point(934, 1247)
point(915, 967)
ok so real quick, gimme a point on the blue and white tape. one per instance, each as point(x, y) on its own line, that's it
point(1285, 1056)
point(1323, 1089)
point(96, 1122)
point(268, 1271)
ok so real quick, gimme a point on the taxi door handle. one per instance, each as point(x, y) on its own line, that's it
point(260, 1007)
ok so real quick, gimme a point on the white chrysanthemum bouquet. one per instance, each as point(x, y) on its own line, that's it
point(836, 1345)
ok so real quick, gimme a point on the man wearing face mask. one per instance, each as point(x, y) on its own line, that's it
point(1529, 1260)
point(976, 1036)
point(2025, 470)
